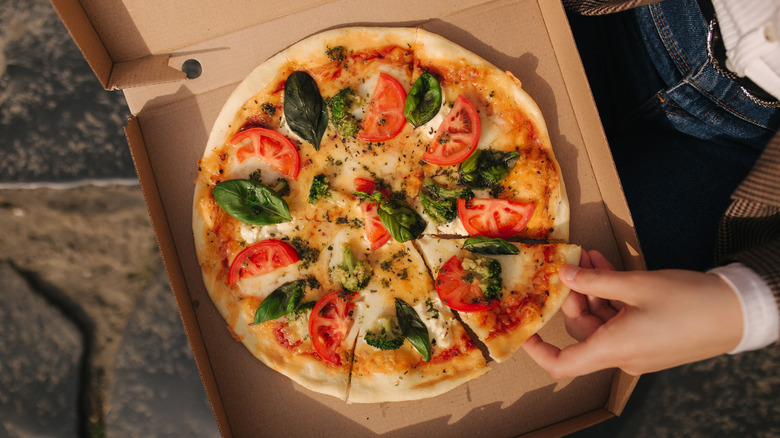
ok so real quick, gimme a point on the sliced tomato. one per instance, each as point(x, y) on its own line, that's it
point(457, 136)
point(457, 293)
point(385, 115)
point(269, 146)
point(329, 324)
point(376, 233)
point(494, 217)
point(260, 258)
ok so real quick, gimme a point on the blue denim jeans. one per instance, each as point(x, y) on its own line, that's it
point(682, 135)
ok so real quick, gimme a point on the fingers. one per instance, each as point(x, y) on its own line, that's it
point(607, 284)
point(599, 261)
point(585, 260)
point(575, 360)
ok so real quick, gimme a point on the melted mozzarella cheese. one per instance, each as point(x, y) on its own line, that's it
point(262, 285)
point(256, 233)
point(454, 228)
point(437, 251)
point(437, 318)
point(371, 305)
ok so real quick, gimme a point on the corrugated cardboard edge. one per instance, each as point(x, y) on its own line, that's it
point(170, 259)
point(571, 425)
point(86, 37)
point(581, 98)
point(112, 75)
point(600, 157)
point(150, 70)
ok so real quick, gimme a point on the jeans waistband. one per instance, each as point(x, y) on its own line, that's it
point(676, 35)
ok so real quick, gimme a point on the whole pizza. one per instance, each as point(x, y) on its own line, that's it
point(375, 208)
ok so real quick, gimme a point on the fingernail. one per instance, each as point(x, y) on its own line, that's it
point(568, 272)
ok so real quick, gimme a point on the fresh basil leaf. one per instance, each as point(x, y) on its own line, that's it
point(423, 101)
point(280, 302)
point(413, 328)
point(487, 245)
point(439, 202)
point(251, 202)
point(486, 168)
point(304, 108)
point(401, 220)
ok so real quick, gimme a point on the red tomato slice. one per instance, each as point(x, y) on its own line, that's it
point(329, 324)
point(385, 116)
point(457, 136)
point(376, 233)
point(494, 217)
point(260, 258)
point(457, 293)
point(269, 146)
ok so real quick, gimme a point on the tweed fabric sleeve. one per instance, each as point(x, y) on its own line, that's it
point(750, 229)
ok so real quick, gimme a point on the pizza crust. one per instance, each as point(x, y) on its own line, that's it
point(237, 303)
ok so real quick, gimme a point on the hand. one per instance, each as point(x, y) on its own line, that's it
point(639, 321)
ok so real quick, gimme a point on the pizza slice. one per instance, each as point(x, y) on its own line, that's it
point(487, 142)
point(409, 344)
point(271, 290)
point(505, 292)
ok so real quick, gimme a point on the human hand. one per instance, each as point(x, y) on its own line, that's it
point(639, 321)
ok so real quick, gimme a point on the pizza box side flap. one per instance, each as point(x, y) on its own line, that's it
point(135, 32)
point(227, 59)
point(600, 157)
point(623, 385)
point(167, 247)
point(86, 37)
point(574, 424)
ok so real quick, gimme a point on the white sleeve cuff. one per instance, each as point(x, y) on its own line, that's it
point(759, 308)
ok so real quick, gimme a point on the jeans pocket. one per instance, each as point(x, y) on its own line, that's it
point(690, 109)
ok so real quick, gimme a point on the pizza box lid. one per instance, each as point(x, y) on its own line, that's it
point(142, 47)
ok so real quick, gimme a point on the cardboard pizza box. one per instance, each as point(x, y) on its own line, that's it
point(141, 46)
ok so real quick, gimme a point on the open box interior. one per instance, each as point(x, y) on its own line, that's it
point(140, 46)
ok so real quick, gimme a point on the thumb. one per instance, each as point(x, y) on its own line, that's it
point(607, 284)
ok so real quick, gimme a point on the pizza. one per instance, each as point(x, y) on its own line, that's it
point(375, 207)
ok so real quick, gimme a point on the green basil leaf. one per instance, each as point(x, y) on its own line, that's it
point(487, 245)
point(401, 220)
point(280, 302)
point(413, 328)
point(304, 108)
point(251, 202)
point(486, 168)
point(423, 101)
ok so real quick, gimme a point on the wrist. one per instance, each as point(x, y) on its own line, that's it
point(760, 319)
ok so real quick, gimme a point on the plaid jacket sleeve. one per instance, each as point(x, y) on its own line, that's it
point(750, 229)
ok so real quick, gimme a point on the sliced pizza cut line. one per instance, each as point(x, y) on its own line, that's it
point(530, 290)
point(315, 185)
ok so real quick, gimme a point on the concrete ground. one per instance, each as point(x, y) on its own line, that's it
point(91, 343)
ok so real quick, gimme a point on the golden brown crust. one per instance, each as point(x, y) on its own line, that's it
point(511, 122)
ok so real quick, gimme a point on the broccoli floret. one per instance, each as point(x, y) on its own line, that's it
point(353, 274)
point(341, 112)
point(486, 272)
point(439, 202)
point(385, 335)
point(319, 189)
